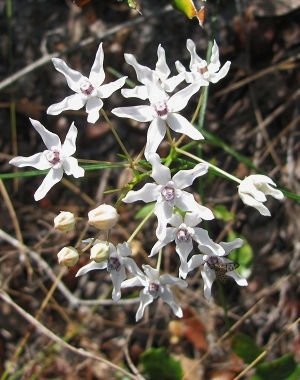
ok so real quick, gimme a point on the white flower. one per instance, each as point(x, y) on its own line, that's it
point(155, 286)
point(68, 256)
point(183, 231)
point(217, 266)
point(162, 113)
point(145, 74)
point(200, 70)
point(253, 191)
point(88, 91)
point(167, 192)
point(57, 158)
point(115, 264)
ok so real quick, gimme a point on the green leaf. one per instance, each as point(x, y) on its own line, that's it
point(221, 212)
point(144, 211)
point(158, 364)
point(245, 347)
point(283, 368)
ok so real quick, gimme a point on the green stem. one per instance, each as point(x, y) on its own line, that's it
point(225, 174)
point(140, 226)
point(159, 260)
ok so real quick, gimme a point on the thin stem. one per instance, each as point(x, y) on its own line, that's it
point(159, 259)
point(140, 226)
point(227, 175)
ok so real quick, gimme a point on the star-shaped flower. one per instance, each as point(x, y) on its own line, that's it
point(155, 286)
point(116, 262)
point(200, 70)
point(57, 158)
point(88, 91)
point(167, 192)
point(145, 74)
point(217, 266)
point(162, 112)
point(183, 231)
point(253, 191)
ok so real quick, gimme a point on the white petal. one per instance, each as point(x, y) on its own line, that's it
point(250, 201)
point(91, 266)
point(206, 244)
point(184, 249)
point(71, 167)
point(140, 92)
point(169, 236)
point(37, 161)
point(50, 139)
point(180, 124)
point(148, 193)
point(143, 73)
point(228, 247)
point(178, 101)
point(209, 277)
point(176, 220)
point(132, 282)
point(171, 83)
point(97, 74)
point(191, 219)
point(214, 78)
point(146, 299)
point(160, 173)
point(139, 113)
point(155, 135)
point(151, 273)
point(195, 59)
point(130, 264)
point(195, 262)
point(161, 68)
point(72, 102)
point(185, 178)
point(117, 278)
point(107, 89)
point(73, 77)
point(54, 176)
point(93, 107)
point(69, 146)
point(238, 279)
point(167, 296)
point(214, 64)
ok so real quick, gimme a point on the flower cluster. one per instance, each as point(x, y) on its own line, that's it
point(177, 210)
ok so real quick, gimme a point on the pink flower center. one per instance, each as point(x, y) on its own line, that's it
point(86, 87)
point(203, 70)
point(153, 289)
point(161, 108)
point(168, 193)
point(53, 157)
point(183, 235)
point(113, 263)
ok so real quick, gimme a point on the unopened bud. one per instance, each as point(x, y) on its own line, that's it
point(103, 217)
point(65, 221)
point(68, 256)
point(100, 252)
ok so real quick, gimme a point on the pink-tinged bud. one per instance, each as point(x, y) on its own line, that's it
point(104, 217)
point(68, 256)
point(100, 252)
point(65, 221)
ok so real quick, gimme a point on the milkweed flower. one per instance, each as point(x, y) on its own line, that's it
point(58, 158)
point(155, 286)
point(162, 112)
point(168, 192)
point(88, 91)
point(183, 231)
point(200, 70)
point(253, 191)
point(115, 261)
point(145, 74)
point(217, 266)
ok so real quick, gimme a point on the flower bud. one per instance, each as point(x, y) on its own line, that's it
point(65, 221)
point(68, 256)
point(103, 217)
point(100, 252)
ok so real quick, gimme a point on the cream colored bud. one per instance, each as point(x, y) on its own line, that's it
point(103, 217)
point(68, 256)
point(65, 221)
point(100, 252)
